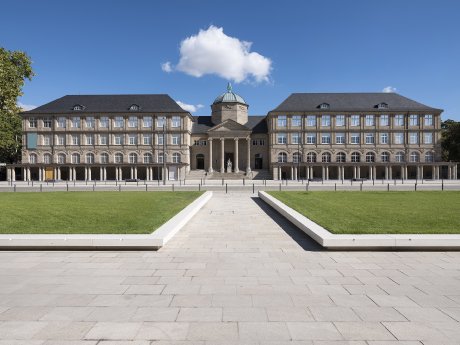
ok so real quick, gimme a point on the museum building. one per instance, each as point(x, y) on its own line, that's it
point(308, 136)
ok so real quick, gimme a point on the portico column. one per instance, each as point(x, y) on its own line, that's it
point(327, 172)
point(236, 156)
point(358, 171)
point(386, 173)
point(210, 155)
point(222, 153)
point(307, 173)
point(355, 175)
point(390, 172)
point(323, 173)
point(40, 177)
point(292, 172)
point(421, 172)
point(248, 161)
point(135, 172)
point(279, 173)
point(58, 173)
point(370, 172)
point(311, 172)
point(116, 173)
point(86, 173)
point(89, 174)
point(101, 174)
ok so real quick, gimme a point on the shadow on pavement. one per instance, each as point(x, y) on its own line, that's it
point(295, 233)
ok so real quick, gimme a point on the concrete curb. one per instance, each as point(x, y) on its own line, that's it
point(360, 242)
point(154, 240)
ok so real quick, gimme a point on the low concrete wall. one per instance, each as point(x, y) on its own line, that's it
point(361, 242)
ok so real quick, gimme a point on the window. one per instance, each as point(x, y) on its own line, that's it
point(61, 158)
point(311, 138)
point(324, 106)
point(339, 138)
point(382, 106)
point(134, 107)
point(414, 157)
point(104, 122)
point(340, 120)
point(89, 158)
point(413, 120)
point(32, 122)
point(399, 157)
point(385, 156)
point(89, 139)
point(61, 139)
point(281, 138)
point(370, 138)
point(147, 121)
point(118, 157)
point(326, 120)
point(311, 120)
point(75, 139)
point(429, 157)
point(161, 120)
point(370, 120)
point(132, 122)
point(175, 122)
point(160, 138)
point(428, 120)
point(47, 158)
point(282, 157)
point(147, 139)
point(148, 158)
point(47, 122)
point(355, 120)
point(340, 157)
point(76, 122)
point(118, 122)
point(175, 139)
point(33, 158)
point(103, 139)
point(161, 157)
point(281, 121)
point(355, 157)
point(75, 158)
point(61, 122)
point(399, 138)
point(383, 138)
point(326, 157)
point(176, 157)
point(205, 142)
point(118, 139)
point(325, 138)
point(104, 158)
point(370, 157)
point(296, 121)
point(296, 157)
point(428, 138)
point(89, 122)
point(132, 139)
point(296, 138)
point(384, 120)
point(354, 138)
point(255, 142)
point(413, 138)
point(46, 140)
point(77, 107)
point(132, 158)
point(311, 157)
point(399, 120)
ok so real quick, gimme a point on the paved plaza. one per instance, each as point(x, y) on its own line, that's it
point(238, 273)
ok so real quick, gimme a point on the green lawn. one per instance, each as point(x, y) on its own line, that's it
point(379, 212)
point(89, 212)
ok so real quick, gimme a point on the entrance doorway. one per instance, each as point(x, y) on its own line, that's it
point(200, 161)
point(227, 156)
point(258, 164)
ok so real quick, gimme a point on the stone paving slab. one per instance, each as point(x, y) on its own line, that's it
point(237, 273)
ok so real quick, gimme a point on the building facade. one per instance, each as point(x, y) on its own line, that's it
point(309, 135)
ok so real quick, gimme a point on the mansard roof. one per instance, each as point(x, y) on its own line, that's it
point(110, 104)
point(350, 102)
point(202, 124)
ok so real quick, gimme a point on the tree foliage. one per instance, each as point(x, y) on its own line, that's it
point(451, 141)
point(15, 67)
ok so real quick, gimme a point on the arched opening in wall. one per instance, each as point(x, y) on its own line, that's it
point(95, 173)
point(258, 161)
point(80, 173)
point(111, 174)
point(380, 172)
point(200, 161)
point(64, 173)
point(348, 172)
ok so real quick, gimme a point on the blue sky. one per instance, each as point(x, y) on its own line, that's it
point(106, 47)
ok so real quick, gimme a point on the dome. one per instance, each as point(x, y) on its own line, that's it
point(229, 97)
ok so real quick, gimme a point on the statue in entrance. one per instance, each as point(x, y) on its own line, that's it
point(229, 166)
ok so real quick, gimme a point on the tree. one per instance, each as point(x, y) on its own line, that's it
point(451, 141)
point(15, 67)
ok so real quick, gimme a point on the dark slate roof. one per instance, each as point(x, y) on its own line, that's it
point(202, 124)
point(350, 102)
point(110, 104)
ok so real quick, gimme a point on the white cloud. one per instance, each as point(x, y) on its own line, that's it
point(389, 89)
point(211, 51)
point(166, 67)
point(26, 107)
point(189, 107)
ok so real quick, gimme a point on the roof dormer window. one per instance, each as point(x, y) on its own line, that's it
point(134, 107)
point(77, 107)
point(382, 105)
point(324, 106)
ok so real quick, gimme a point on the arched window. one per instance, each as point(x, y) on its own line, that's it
point(429, 157)
point(47, 158)
point(104, 158)
point(370, 157)
point(161, 157)
point(385, 156)
point(77, 107)
point(118, 157)
point(326, 157)
point(148, 158)
point(341, 157)
point(282, 157)
point(355, 157)
point(33, 158)
point(134, 107)
point(414, 156)
point(89, 158)
point(176, 157)
point(61, 158)
point(311, 157)
point(324, 106)
point(297, 157)
point(75, 158)
point(132, 158)
point(400, 157)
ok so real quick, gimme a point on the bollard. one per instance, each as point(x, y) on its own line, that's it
point(226, 188)
point(280, 187)
point(173, 187)
point(244, 182)
point(86, 182)
point(67, 185)
point(395, 182)
point(442, 184)
point(199, 187)
point(53, 184)
point(14, 189)
point(32, 183)
point(41, 189)
point(94, 187)
point(307, 185)
point(158, 183)
point(373, 182)
point(335, 187)
point(388, 187)
point(116, 182)
point(361, 187)
point(146, 187)
point(137, 182)
point(119, 188)
point(74, 183)
point(415, 186)
point(253, 188)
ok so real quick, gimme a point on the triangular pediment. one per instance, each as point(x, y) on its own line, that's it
point(229, 126)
